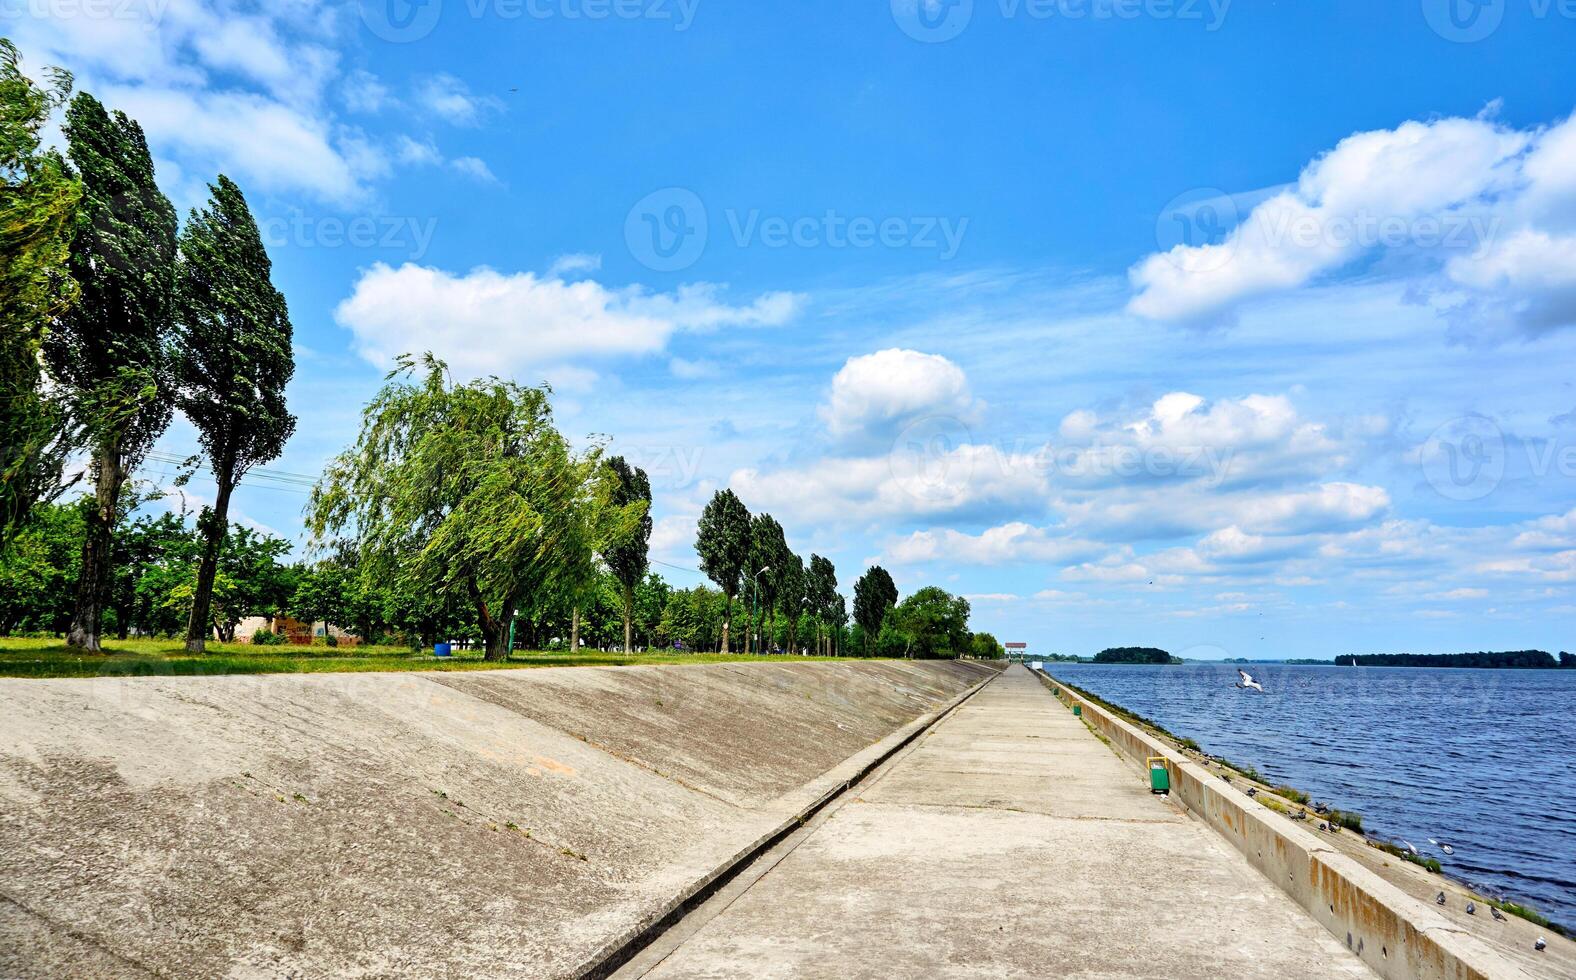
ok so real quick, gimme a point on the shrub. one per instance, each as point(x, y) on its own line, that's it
point(265, 637)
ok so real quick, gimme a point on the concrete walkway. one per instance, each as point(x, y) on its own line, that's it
point(1008, 842)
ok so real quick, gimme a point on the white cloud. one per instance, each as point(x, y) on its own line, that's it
point(1014, 542)
point(486, 322)
point(874, 395)
point(447, 97)
point(573, 263)
point(364, 92)
point(1490, 211)
point(474, 168)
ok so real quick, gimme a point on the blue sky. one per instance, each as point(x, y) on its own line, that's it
point(1238, 329)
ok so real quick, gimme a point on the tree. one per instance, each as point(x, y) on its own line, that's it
point(837, 616)
point(723, 543)
point(628, 557)
point(933, 624)
point(467, 492)
point(234, 361)
point(820, 592)
point(985, 646)
point(109, 352)
point(768, 554)
point(791, 588)
point(38, 570)
point(874, 594)
point(38, 204)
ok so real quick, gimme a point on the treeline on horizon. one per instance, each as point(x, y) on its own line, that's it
point(1509, 660)
point(459, 512)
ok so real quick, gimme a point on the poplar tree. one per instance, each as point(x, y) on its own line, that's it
point(233, 340)
point(769, 552)
point(629, 556)
point(874, 596)
point(820, 592)
point(38, 202)
point(110, 353)
point(723, 544)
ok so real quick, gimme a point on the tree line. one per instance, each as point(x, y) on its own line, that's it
point(1512, 660)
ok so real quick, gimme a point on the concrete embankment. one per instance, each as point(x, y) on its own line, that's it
point(1398, 934)
point(499, 824)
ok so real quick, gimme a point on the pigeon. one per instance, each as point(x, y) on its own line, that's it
point(1439, 899)
point(1248, 682)
point(1320, 809)
point(1300, 815)
point(1253, 791)
point(1324, 826)
point(1471, 908)
point(1495, 911)
point(1540, 945)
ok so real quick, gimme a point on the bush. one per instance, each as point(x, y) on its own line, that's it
point(265, 637)
point(1291, 793)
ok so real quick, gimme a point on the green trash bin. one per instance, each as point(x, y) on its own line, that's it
point(1159, 776)
point(1077, 711)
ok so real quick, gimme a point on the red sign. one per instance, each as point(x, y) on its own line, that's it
point(1017, 646)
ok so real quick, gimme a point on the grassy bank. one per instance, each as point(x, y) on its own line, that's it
point(52, 658)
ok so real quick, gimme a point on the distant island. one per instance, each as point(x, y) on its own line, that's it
point(1135, 655)
point(1512, 660)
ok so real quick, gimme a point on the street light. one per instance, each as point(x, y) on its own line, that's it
point(755, 597)
point(510, 652)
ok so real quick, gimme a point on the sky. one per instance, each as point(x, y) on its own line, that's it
point(1238, 329)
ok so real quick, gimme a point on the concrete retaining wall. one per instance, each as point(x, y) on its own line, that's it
point(1400, 937)
point(463, 824)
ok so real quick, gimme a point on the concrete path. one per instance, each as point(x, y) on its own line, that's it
point(1008, 842)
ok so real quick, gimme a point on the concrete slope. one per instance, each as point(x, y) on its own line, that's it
point(1009, 842)
point(497, 824)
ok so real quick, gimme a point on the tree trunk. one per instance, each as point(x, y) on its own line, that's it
point(494, 632)
point(214, 521)
point(574, 630)
point(97, 552)
point(629, 619)
point(727, 616)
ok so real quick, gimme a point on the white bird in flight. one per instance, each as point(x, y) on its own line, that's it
point(1248, 681)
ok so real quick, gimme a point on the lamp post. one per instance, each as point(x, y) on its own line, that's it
point(510, 652)
point(755, 598)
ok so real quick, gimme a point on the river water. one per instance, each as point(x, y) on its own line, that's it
point(1484, 760)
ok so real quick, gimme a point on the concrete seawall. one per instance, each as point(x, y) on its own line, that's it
point(1398, 936)
point(490, 823)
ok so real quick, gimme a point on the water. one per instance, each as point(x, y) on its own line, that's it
point(1484, 760)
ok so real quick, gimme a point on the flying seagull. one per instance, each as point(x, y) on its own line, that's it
point(1248, 682)
point(1443, 847)
point(1409, 848)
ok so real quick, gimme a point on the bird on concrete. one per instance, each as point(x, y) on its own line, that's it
point(1324, 826)
point(1471, 908)
point(1253, 791)
point(1494, 910)
point(1247, 682)
point(1540, 945)
point(1439, 899)
point(1300, 815)
point(1321, 809)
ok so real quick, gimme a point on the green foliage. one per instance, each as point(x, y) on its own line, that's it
point(264, 637)
point(1513, 660)
point(38, 204)
point(234, 361)
point(723, 543)
point(38, 573)
point(985, 646)
point(874, 594)
point(1134, 655)
point(627, 555)
point(468, 493)
point(1290, 793)
point(933, 624)
point(109, 353)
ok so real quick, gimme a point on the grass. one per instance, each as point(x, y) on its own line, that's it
point(1530, 914)
point(20, 657)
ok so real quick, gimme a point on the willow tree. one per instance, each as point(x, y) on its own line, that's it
point(234, 362)
point(110, 352)
point(38, 201)
point(468, 492)
point(628, 556)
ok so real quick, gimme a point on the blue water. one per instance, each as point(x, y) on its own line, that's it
point(1484, 760)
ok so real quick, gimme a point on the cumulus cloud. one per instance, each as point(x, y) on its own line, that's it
point(1008, 543)
point(488, 322)
point(451, 100)
point(223, 90)
point(873, 396)
point(1487, 211)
